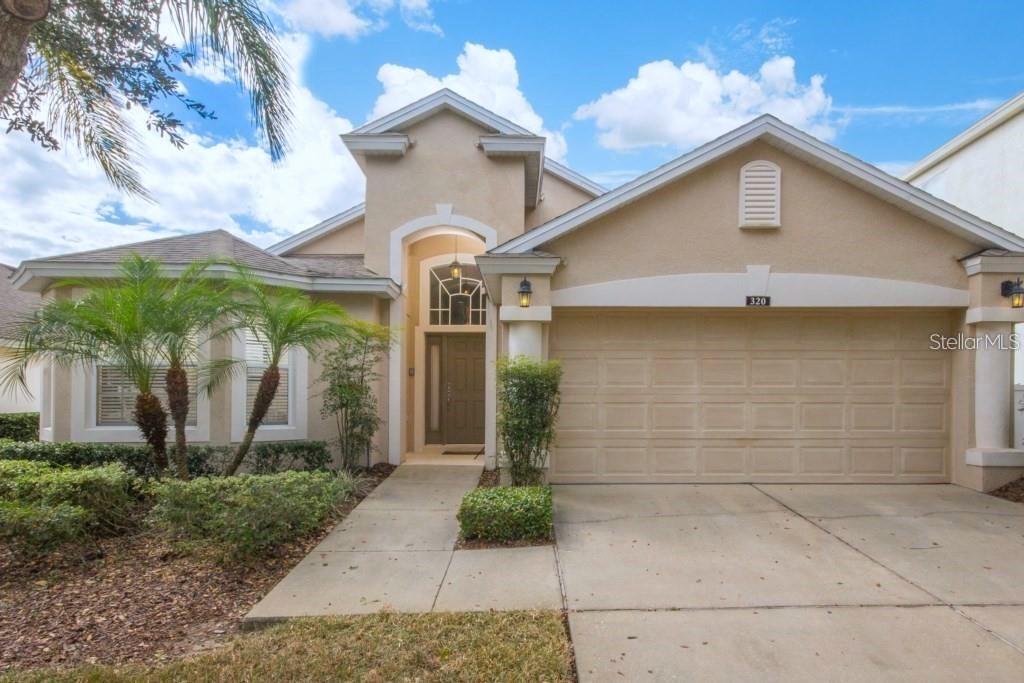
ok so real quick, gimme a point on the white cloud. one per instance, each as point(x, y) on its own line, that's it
point(980, 105)
point(60, 202)
point(355, 18)
point(488, 77)
point(686, 105)
point(419, 15)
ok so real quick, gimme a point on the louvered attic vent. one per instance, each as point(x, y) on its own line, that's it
point(760, 195)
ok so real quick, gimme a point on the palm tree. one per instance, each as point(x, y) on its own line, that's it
point(69, 69)
point(110, 324)
point(195, 310)
point(281, 319)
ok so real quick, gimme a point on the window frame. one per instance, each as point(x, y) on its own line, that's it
point(296, 428)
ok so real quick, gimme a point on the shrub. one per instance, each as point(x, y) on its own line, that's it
point(107, 492)
point(73, 454)
point(247, 515)
point(280, 456)
point(35, 528)
point(350, 372)
point(506, 513)
point(528, 399)
point(19, 426)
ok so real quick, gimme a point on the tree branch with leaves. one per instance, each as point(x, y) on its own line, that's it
point(69, 70)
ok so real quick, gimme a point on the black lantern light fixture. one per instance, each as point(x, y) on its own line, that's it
point(525, 293)
point(455, 268)
point(1014, 291)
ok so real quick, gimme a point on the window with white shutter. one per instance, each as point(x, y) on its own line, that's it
point(115, 396)
point(760, 195)
point(256, 360)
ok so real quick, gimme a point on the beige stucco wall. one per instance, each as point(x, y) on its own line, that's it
point(443, 166)
point(350, 239)
point(558, 197)
point(369, 309)
point(828, 226)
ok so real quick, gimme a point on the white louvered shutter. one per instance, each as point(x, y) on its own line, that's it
point(760, 195)
point(257, 357)
point(115, 395)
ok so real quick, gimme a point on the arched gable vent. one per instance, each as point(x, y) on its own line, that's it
point(760, 195)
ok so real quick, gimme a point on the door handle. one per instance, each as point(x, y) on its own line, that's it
point(448, 392)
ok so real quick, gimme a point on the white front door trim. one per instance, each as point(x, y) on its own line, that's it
point(445, 219)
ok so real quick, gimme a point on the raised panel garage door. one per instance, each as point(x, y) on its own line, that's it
point(751, 396)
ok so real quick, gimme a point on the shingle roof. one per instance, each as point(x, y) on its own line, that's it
point(184, 249)
point(15, 305)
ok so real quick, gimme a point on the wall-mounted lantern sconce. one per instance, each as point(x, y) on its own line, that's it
point(1014, 291)
point(526, 293)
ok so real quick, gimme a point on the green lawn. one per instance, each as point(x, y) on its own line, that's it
point(494, 646)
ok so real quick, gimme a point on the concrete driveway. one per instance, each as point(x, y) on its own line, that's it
point(787, 582)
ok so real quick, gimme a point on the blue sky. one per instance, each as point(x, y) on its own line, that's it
point(618, 88)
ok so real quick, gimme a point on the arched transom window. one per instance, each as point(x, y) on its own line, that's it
point(457, 301)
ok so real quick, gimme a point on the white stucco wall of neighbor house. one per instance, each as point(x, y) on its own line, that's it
point(986, 177)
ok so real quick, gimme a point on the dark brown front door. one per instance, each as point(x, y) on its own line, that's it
point(457, 394)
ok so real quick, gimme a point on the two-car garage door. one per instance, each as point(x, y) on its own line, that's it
point(667, 396)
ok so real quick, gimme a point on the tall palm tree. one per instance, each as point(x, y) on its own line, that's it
point(112, 324)
point(281, 319)
point(195, 310)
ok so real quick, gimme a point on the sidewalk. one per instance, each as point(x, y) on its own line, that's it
point(395, 551)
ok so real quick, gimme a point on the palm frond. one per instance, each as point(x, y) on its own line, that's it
point(88, 113)
point(239, 32)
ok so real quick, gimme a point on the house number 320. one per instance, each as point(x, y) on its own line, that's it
point(759, 301)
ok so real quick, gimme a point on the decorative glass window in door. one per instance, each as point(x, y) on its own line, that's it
point(457, 301)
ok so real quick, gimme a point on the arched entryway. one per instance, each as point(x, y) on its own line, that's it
point(442, 367)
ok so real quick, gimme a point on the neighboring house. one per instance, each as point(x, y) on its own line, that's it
point(982, 169)
point(15, 306)
point(761, 309)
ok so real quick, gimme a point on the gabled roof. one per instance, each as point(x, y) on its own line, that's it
point(793, 141)
point(384, 136)
point(328, 273)
point(426, 107)
point(1001, 115)
point(322, 228)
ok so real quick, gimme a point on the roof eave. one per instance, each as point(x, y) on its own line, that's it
point(322, 228)
point(36, 276)
point(1003, 113)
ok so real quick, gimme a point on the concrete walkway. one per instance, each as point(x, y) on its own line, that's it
point(395, 551)
point(679, 582)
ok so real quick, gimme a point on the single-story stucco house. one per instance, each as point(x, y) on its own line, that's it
point(765, 308)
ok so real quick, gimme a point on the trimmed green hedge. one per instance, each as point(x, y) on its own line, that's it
point(248, 515)
point(203, 460)
point(19, 426)
point(33, 529)
point(507, 513)
point(43, 507)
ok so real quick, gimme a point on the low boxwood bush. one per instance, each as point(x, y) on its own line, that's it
point(203, 459)
point(506, 513)
point(248, 515)
point(19, 426)
point(282, 456)
point(34, 529)
point(107, 493)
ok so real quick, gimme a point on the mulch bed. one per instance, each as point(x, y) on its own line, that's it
point(492, 479)
point(1014, 491)
point(133, 599)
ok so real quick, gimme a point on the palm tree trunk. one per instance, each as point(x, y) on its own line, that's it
point(152, 422)
point(16, 22)
point(177, 403)
point(264, 397)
